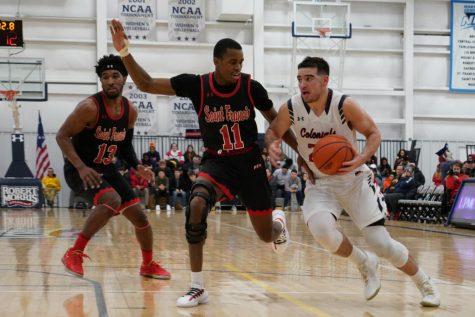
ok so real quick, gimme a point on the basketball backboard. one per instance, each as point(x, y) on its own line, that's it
point(24, 75)
point(317, 19)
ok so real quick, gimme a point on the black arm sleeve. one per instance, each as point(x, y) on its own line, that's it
point(260, 96)
point(127, 152)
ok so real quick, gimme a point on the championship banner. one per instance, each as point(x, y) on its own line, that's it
point(138, 18)
point(462, 46)
point(146, 106)
point(187, 19)
point(182, 116)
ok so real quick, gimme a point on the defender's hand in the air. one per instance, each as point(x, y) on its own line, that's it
point(119, 39)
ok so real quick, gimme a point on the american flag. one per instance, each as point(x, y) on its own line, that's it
point(42, 158)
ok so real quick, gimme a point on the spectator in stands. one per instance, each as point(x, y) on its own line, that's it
point(189, 155)
point(161, 187)
point(195, 166)
point(281, 176)
point(398, 174)
point(192, 176)
point(471, 162)
point(153, 154)
point(266, 159)
point(446, 160)
point(437, 177)
point(388, 182)
point(179, 186)
point(372, 160)
point(51, 186)
point(405, 188)
point(401, 158)
point(454, 180)
point(418, 175)
point(384, 168)
point(162, 166)
point(466, 168)
point(146, 161)
point(293, 185)
point(175, 154)
point(140, 187)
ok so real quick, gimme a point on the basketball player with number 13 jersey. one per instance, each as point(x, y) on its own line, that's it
point(318, 111)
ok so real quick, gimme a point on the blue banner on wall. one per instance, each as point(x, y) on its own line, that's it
point(462, 46)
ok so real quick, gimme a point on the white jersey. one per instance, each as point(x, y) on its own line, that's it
point(309, 128)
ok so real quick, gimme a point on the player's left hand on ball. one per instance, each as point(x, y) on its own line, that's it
point(275, 152)
point(353, 164)
point(119, 39)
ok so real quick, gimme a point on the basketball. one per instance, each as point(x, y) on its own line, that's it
point(330, 152)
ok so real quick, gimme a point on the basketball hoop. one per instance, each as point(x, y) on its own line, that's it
point(9, 95)
point(324, 32)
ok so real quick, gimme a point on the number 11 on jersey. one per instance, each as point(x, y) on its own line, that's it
point(227, 145)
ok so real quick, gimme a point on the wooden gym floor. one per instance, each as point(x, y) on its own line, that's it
point(244, 277)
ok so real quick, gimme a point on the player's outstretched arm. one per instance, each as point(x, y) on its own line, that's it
point(141, 78)
point(273, 138)
point(364, 124)
point(83, 116)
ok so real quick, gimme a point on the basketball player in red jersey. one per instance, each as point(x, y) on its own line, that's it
point(225, 101)
point(101, 127)
point(326, 111)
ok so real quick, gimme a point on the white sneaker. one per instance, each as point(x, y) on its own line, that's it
point(280, 244)
point(430, 295)
point(194, 297)
point(372, 284)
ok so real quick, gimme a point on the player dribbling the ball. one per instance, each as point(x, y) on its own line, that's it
point(327, 111)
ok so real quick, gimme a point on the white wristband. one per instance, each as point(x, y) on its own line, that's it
point(125, 50)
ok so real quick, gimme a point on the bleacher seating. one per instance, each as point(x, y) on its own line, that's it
point(426, 207)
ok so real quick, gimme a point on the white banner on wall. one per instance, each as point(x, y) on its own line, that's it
point(146, 106)
point(462, 47)
point(138, 18)
point(182, 115)
point(186, 19)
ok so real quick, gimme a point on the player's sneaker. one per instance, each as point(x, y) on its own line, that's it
point(280, 244)
point(194, 297)
point(430, 295)
point(72, 260)
point(368, 270)
point(154, 270)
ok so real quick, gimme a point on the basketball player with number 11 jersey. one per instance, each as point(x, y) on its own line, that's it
point(312, 114)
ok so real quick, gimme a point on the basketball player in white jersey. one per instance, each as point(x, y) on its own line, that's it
point(318, 111)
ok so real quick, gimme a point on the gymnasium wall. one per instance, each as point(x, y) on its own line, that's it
point(64, 34)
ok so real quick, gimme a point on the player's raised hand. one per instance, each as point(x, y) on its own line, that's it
point(275, 152)
point(119, 39)
point(90, 178)
point(145, 172)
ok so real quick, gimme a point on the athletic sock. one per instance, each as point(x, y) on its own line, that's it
point(81, 242)
point(147, 256)
point(420, 277)
point(358, 256)
point(197, 280)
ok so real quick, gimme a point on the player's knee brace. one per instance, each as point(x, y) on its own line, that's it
point(324, 230)
point(196, 233)
point(381, 243)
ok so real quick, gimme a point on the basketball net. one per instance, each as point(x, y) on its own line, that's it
point(10, 96)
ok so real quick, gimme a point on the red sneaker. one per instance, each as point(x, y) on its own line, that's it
point(154, 270)
point(72, 260)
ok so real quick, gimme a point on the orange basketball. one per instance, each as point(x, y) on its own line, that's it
point(330, 152)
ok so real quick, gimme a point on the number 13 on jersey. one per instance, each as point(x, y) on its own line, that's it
point(227, 145)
